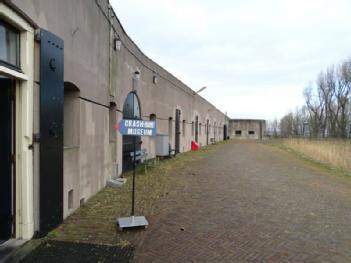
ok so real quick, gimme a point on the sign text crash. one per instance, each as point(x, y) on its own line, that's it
point(137, 127)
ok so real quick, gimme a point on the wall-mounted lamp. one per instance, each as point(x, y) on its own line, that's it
point(137, 74)
point(117, 43)
point(113, 104)
point(135, 80)
point(154, 79)
point(200, 90)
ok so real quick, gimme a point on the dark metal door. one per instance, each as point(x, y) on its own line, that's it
point(177, 131)
point(207, 126)
point(225, 132)
point(196, 128)
point(51, 131)
point(7, 171)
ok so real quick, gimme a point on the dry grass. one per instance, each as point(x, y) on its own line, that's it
point(336, 153)
point(95, 222)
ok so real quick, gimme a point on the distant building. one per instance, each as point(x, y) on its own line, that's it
point(247, 129)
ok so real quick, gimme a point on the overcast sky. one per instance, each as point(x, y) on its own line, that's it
point(255, 56)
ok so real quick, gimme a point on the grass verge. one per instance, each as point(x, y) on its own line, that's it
point(311, 159)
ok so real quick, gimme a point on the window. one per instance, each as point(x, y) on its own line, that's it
point(238, 133)
point(251, 132)
point(192, 128)
point(9, 46)
point(200, 128)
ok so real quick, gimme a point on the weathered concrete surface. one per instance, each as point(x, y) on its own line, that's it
point(8, 248)
point(250, 202)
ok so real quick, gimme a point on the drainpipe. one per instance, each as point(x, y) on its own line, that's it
point(110, 17)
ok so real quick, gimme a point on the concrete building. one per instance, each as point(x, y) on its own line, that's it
point(69, 73)
point(247, 129)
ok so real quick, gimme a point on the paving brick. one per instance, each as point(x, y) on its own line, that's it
point(248, 202)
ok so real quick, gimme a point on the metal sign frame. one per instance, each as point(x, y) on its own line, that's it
point(135, 221)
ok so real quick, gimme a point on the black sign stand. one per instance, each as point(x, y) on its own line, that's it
point(133, 221)
point(134, 166)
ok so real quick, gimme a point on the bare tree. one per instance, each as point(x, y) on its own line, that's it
point(287, 125)
point(273, 128)
point(327, 110)
point(327, 90)
point(342, 98)
point(316, 111)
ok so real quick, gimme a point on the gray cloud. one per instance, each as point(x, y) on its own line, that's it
point(255, 56)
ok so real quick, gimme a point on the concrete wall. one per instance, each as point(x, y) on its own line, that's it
point(247, 129)
point(97, 76)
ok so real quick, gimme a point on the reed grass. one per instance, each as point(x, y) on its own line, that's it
point(336, 153)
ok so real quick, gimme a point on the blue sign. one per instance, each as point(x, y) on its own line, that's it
point(137, 127)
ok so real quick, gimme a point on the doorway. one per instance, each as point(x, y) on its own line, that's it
point(177, 131)
point(7, 153)
point(207, 131)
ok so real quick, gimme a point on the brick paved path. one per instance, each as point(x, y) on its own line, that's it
point(249, 202)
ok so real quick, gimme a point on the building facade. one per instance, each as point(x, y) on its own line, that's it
point(69, 73)
point(247, 129)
